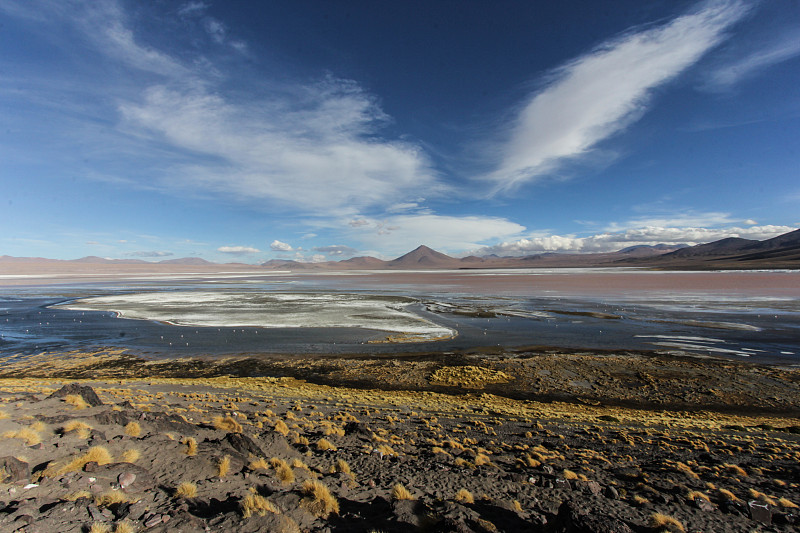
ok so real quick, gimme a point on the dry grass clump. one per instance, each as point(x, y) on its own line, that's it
point(258, 464)
point(735, 469)
point(726, 495)
point(133, 429)
point(77, 495)
point(191, 446)
point(283, 471)
point(399, 492)
point(130, 456)
point(662, 522)
point(100, 527)
point(569, 474)
point(30, 436)
point(186, 489)
point(124, 527)
point(318, 499)
point(228, 424)
point(81, 428)
point(281, 427)
point(695, 494)
point(482, 459)
point(787, 503)
point(224, 466)
point(687, 470)
point(110, 498)
point(341, 466)
point(254, 503)
point(464, 496)
point(95, 454)
point(325, 445)
point(76, 400)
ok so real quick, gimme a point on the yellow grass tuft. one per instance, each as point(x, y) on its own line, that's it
point(662, 522)
point(686, 469)
point(325, 445)
point(318, 499)
point(224, 466)
point(111, 497)
point(735, 469)
point(464, 496)
point(77, 495)
point(124, 527)
point(186, 490)
point(3, 415)
point(342, 467)
point(96, 454)
point(130, 456)
point(284, 473)
point(569, 474)
point(281, 427)
point(76, 400)
point(228, 424)
point(191, 446)
point(100, 527)
point(399, 492)
point(257, 464)
point(133, 429)
point(695, 494)
point(482, 459)
point(76, 425)
point(787, 504)
point(30, 436)
point(257, 504)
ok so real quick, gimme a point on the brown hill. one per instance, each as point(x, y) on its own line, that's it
point(423, 257)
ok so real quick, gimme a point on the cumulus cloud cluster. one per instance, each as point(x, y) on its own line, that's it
point(613, 241)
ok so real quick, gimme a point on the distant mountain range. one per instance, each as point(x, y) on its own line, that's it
point(731, 253)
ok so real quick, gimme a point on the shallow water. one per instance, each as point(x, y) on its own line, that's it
point(752, 315)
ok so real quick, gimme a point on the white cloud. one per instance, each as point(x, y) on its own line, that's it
point(782, 48)
point(401, 233)
point(336, 249)
point(149, 254)
point(238, 250)
point(313, 150)
point(278, 246)
point(685, 219)
point(613, 241)
point(601, 93)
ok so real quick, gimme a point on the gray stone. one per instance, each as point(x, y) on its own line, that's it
point(759, 512)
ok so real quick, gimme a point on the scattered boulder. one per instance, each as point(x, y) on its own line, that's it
point(84, 391)
point(572, 518)
point(759, 512)
point(15, 470)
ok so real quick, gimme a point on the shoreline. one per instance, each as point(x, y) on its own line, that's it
point(628, 379)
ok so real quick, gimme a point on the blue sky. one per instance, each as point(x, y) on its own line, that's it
point(245, 131)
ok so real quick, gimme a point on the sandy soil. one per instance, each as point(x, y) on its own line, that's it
point(189, 445)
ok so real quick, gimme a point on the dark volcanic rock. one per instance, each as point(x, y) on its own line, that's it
point(760, 512)
point(244, 444)
point(572, 518)
point(84, 391)
point(15, 469)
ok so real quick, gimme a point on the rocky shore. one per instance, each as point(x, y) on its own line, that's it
point(107, 441)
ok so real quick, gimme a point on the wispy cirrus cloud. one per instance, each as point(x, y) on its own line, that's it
point(778, 49)
point(314, 148)
point(602, 92)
